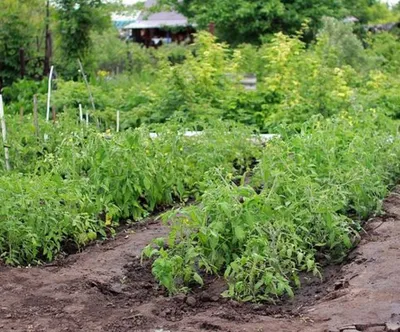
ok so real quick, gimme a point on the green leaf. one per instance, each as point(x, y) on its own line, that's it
point(198, 279)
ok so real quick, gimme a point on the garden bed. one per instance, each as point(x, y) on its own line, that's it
point(105, 288)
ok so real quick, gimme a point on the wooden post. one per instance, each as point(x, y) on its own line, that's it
point(22, 62)
point(4, 134)
point(21, 114)
point(35, 116)
point(117, 121)
point(49, 94)
point(80, 113)
point(48, 42)
point(87, 84)
point(53, 111)
point(211, 28)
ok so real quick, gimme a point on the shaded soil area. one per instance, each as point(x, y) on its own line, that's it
point(105, 288)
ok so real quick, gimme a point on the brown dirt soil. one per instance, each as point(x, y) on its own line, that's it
point(105, 288)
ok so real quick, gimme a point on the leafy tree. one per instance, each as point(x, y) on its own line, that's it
point(239, 21)
point(381, 13)
point(13, 37)
point(339, 46)
point(20, 23)
point(77, 20)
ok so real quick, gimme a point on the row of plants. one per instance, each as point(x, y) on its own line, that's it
point(302, 207)
point(73, 184)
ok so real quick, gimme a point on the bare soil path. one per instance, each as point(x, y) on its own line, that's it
point(105, 288)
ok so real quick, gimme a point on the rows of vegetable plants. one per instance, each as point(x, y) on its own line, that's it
point(73, 184)
point(303, 207)
point(259, 228)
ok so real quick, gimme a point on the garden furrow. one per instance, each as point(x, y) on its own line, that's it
point(50, 298)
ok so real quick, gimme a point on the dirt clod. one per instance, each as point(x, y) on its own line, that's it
point(191, 301)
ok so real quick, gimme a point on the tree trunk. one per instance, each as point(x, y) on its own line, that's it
point(48, 43)
point(22, 62)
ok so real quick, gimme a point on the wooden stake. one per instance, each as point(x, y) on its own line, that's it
point(117, 121)
point(87, 84)
point(49, 94)
point(35, 116)
point(21, 114)
point(22, 62)
point(53, 111)
point(4, 134)
point(211, 28)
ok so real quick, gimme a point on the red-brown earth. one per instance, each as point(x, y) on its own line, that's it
point(105, 288)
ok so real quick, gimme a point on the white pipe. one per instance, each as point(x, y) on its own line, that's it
point(49, 94)
point(87, 118)
point(80, 113)
point(254, 138)
point(4, 134)
point(117, 121)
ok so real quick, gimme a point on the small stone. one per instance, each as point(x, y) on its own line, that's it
point(392, 327)
point(191, 301)
point(215, 298)
point(235, 304)
point(257, 306)
point(180, 297)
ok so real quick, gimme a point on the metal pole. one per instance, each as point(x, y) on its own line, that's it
point(49, 94)
point(4, 134)
point(80, 113)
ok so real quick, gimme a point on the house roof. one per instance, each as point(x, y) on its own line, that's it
point(123, 19)
point(383, 27)
point(350, 19)
point(157, 20)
